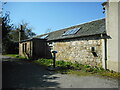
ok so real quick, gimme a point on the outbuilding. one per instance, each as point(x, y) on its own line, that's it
point(84, 43)
point(34, 48)
point(93, 43)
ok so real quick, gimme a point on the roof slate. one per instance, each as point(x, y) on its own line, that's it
point(90, 28)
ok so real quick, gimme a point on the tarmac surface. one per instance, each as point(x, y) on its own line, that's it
point(23, 74)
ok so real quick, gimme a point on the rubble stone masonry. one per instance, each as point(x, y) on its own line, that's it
point(80, 51)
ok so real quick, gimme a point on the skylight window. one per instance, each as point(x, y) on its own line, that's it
point(71, 32)
point(45, 36)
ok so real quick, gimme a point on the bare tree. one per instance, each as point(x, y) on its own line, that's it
point(48, 30)
point(27, 31)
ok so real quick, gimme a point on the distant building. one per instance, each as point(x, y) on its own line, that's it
point(94, 43)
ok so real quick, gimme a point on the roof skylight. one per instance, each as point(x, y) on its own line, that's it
point(71, 32)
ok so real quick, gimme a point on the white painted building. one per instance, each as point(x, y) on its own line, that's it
point(112, 10)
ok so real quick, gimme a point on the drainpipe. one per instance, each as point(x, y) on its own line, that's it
point(105, 40)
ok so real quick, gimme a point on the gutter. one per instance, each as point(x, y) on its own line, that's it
point(66, 38)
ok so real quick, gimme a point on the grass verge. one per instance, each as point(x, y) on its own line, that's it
point(76, 68)
point(72, 68)
point(15, 56)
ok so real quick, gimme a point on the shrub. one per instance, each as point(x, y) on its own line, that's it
point(17, 56)
point(112, 71)
point(89, 69)
point(102, 69)
point(46, 62)
point(86, 66)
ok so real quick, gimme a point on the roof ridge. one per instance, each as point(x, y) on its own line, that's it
point(77, 25)
point(72, 26)
point(91, 21)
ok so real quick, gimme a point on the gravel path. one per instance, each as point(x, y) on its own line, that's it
point(22, 74)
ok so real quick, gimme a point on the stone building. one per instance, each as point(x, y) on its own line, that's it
point(84, 43)
point(34, 48)
point(94, 43)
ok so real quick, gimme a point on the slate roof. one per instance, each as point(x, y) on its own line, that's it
point(31, 39)
point(90, 28)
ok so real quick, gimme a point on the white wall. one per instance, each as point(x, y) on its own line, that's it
point(118, 34)
point(112, 30)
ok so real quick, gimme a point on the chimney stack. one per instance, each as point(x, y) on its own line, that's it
point(20, 33)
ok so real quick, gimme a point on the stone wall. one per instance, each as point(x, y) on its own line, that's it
point(35, 49)
point(80, 50)
point(27, 50)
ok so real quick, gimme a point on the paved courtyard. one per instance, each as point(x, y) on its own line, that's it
point(22, 74)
